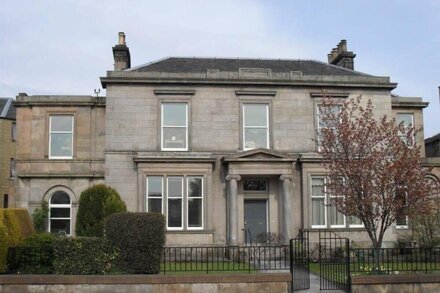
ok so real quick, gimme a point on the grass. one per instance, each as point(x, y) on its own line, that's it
point(222, 267)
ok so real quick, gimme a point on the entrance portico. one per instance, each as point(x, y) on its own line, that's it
point(282, 205)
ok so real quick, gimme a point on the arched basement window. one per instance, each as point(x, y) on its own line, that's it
point(59, 213)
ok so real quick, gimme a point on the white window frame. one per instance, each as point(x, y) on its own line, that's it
point(61, 132)
point(51, 205)
point(318, 119)
point(153, 197)
point(356, 225)
point(162, 126)
point(187, 202)
point(267, 128)
point(406, 226)
point(344, 225)
point(336, 196)
point(325, 202)
point(402, 136)
point(181, 198)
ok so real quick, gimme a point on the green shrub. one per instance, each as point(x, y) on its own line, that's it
point(15, 226)
point(39, 217)
point(95, 204)
point(34, 255)
point(84, 256)
point(140, 238)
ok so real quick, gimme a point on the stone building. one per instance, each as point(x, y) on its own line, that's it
point(7, 152)
point(224, 148)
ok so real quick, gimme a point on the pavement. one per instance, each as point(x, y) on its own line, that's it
point(315, 285)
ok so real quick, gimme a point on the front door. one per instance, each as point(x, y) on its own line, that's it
point(255, 219)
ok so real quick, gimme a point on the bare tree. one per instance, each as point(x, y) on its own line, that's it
point(374, 166)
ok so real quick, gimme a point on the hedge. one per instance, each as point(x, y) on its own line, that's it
point(84, 256)
point(15, 226)
point(140, 238)
point(95, 204)
point(33, 256)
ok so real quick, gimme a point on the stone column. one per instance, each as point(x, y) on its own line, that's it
point(233, 209)
point(287, 184)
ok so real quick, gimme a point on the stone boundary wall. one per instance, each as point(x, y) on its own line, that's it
point(278, 282)
point(408, 283)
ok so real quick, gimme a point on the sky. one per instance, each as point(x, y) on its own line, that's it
point(63, 47)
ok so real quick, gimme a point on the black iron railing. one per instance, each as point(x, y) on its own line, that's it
point(225, 258)
point(393, 260)
point(30, 259)
point(207, 259)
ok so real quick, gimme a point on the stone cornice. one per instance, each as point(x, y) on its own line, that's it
point(58, 100)
point(330, 94)
point(179, 92)
point(230, 79)
point(255, 93)
point(174, 159)
point(62, 175)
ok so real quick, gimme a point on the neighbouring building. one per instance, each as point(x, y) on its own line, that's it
point(432, 159)
point(225, 148)
point(8, 134)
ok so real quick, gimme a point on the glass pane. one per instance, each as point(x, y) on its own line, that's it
point(60, 197)
point(255, 115)
point(318, 214)
point(154, 186)
point(336, 218)
point(175, 186)
point(61, 145)
point(406, 118)
point(194, 187)
point(324, 111)
point(155, 205)
point(57, 226)
point(255, 138)
point(401, 221)
point(318, 187)
point(255, 185)
point(61, 123)
point(174, 138)
point(175, 213)
point(194, 212)
point(60, 212)
point(174, 114)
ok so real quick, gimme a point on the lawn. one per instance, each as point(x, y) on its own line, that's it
point(204, 267)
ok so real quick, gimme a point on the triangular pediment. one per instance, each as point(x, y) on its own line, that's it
point(260, 154)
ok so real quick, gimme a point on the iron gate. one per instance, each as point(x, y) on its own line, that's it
point(334, 261)
point(299, 261)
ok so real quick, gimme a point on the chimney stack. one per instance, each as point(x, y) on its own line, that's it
point(121, 54)
point(339, 56)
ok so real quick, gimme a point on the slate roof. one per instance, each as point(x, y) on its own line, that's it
point(201, 65)
point(7, 109)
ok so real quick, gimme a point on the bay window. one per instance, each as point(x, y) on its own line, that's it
point(181, 197)
point(324, 213)
point(154, 194)
point(175, 204)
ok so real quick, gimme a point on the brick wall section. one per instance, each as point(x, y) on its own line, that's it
point(416, 283)
point(147, 283)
